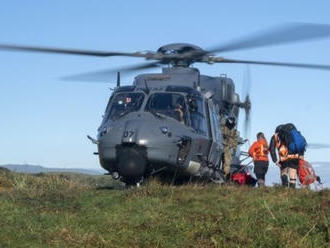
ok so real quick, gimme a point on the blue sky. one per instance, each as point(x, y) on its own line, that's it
point(45, 120)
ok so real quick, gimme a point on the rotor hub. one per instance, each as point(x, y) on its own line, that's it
point(180, 54)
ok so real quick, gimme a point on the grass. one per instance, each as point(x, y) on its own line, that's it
point(50, 210)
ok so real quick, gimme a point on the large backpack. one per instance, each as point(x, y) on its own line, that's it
point(306, 173)
point(292, 139)
point(298, 144)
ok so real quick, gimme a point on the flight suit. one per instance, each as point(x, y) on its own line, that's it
point(230, 141)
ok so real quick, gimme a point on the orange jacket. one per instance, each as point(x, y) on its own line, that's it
point(259, 150)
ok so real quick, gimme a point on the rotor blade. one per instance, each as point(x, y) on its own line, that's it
point(247, 121)
point(237, 61)
point(67, 51)
point(247, 125)
point(105, 75)
point(279, 35)
point(318, 146)
point(321, 163)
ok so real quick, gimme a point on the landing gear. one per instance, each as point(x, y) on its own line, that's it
point(129, 183)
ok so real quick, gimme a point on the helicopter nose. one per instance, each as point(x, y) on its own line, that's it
point(131, 163)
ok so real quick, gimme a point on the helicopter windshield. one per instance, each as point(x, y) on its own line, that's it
point(197, 115)
point(168, 104)
point(124, 103)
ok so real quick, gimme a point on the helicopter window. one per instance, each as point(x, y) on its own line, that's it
point(215, 122)
point(169, 104)
point(197, 115)
point(124, 103)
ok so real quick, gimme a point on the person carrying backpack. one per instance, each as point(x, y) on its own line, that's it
point(259, 152)
point(291, 146)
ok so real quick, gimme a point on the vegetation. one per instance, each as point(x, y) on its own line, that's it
point(70, 210)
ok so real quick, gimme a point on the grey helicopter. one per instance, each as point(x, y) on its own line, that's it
point(169, 124)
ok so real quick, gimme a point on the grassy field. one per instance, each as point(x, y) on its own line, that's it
point(84, 211)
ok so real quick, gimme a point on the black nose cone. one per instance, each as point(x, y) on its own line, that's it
point(131, 163)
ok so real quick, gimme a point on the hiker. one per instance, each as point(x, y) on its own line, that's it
point(259, 152)
point(291, 146)
point(230, 141)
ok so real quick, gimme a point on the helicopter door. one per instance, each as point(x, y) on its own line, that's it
point(215, 149)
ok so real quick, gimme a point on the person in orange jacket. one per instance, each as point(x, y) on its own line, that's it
point(259, 152)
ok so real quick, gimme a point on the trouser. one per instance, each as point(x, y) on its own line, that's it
point(227, 161)
point(289, 167)
point(260, 170)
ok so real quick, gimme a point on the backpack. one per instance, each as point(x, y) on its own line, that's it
point(243, 178)
point(284, 133)
point(292, 139)
point(306, 173)
point(298, 144)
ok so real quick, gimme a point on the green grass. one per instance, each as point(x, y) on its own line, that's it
point(50, 210)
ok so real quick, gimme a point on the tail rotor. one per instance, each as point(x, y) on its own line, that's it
point(246, 105)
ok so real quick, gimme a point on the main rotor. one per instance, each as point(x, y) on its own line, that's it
point(184, 54)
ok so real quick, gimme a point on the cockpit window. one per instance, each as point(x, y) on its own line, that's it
point(124, 103)
point(197, 115)
point(168, 104)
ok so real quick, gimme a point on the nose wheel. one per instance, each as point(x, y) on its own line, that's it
point(130, 183)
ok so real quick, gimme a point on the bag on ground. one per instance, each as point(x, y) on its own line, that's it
point(306, 173)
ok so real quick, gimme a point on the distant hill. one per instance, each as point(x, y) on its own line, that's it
point(34, 169)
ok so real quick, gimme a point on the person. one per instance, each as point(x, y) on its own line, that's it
point(230, 141)
point(179, 113)
point(288, 163)
point(259, 153)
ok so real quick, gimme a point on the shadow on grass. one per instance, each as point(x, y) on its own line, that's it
point(111, 187)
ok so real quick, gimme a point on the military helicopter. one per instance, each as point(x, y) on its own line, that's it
point(169, 123)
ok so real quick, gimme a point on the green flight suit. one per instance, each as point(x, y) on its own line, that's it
point(230, 142)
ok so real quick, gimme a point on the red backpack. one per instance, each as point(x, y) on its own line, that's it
point(243, 178)
point(306, 173)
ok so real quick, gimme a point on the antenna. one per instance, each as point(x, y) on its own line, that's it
point(118, 79)
point(199, 81)
point(147, 90)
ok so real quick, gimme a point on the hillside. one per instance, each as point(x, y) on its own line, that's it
point(34, 169)
point(69, 210)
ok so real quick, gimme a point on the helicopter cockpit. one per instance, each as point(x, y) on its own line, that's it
point(169, 104)
point(124, 103)
point(187, 108)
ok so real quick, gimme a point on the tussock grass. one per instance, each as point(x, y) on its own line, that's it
point(51, 210)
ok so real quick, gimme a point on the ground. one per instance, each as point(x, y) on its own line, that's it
point(52, 210)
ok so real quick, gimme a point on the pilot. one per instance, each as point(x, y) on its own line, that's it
point(179, 113)
point(230, 142)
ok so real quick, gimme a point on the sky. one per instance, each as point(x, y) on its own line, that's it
point(45, 120)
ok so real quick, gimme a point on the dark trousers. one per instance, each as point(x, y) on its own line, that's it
point(260, 169)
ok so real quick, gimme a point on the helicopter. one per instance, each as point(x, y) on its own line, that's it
point(170, 123)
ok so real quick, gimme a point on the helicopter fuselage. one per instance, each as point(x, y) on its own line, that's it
point(167, 122)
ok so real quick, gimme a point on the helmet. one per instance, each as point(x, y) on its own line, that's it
point(231, 122)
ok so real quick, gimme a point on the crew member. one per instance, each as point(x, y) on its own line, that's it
point(230, 141)
point(179, 113)
point(288, 163)
point(259, 152)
